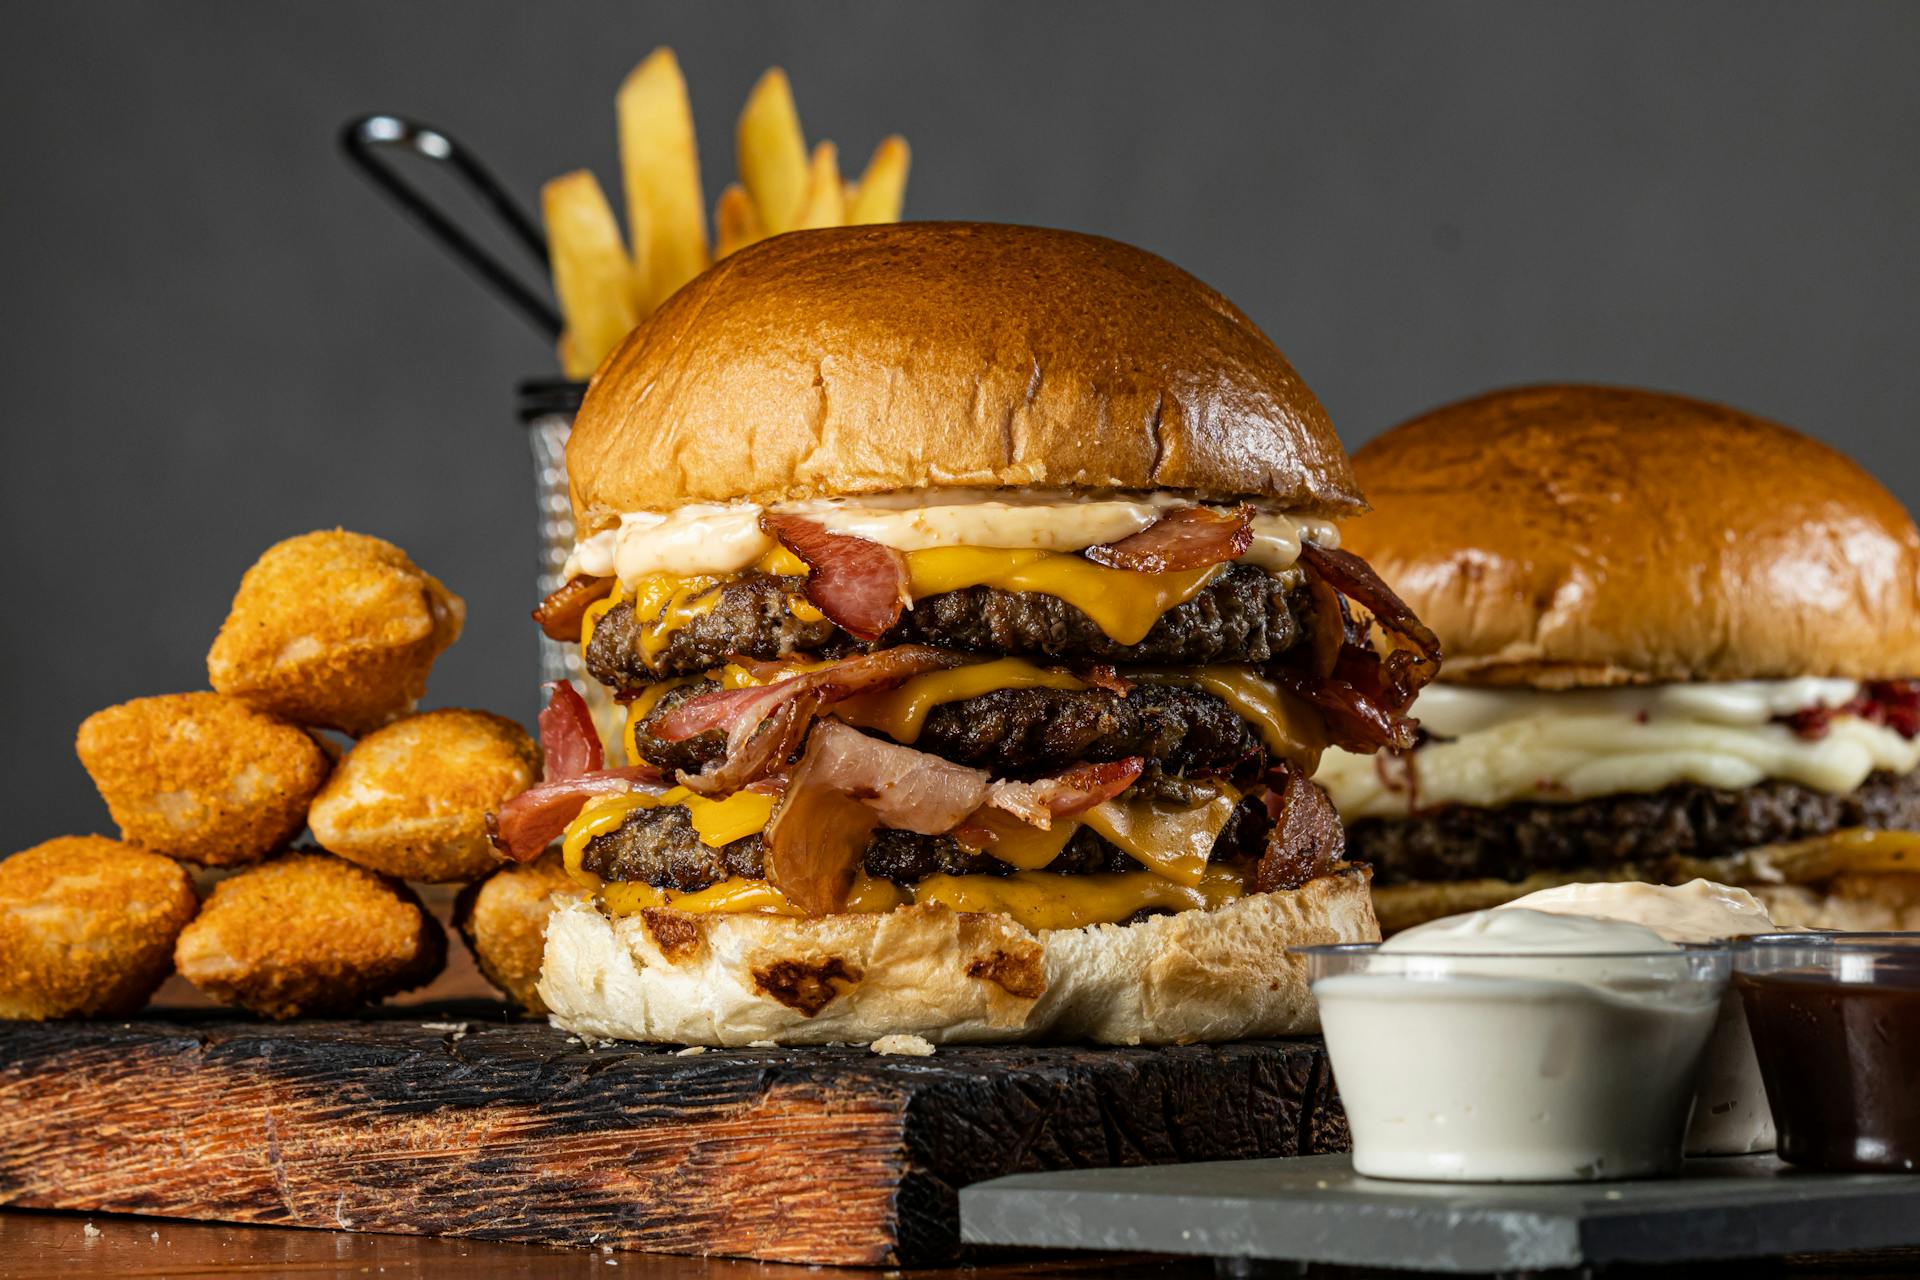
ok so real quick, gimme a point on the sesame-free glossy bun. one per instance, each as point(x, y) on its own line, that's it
point(868, 359)
point(1558, 536)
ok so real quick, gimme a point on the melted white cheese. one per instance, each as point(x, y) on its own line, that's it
point(716, 538)
point(1501, 746)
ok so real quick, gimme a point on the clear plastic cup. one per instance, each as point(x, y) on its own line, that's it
point(1836, 1026)
point(1516, 1067)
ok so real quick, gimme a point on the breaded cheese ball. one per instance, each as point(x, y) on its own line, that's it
point(336, 630)
point(87, 927)
point(412, 799)
point(504, 920)
point(201, 776)
point(309, 934)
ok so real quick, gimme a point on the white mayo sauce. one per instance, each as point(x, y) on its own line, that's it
point(1518, 1046)
point(1730, 1112)
point(1508, 745)
point(719, 538)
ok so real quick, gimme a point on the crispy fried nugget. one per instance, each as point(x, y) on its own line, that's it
point(87, 926)
point(309, 934)
point(336, 630)
point(412, 799)
point(201, 776)
point(504, 920)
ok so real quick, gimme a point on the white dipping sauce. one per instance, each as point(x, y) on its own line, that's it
point(1518, 1046)
point(1730, 1112)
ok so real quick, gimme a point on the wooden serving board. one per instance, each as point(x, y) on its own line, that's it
point(454, 1121)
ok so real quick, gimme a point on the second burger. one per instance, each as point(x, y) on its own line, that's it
point(975, 598)
point(1681, 641)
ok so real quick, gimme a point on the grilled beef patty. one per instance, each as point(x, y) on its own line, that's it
point(1244, 615)
point(660, 847)
point(1021, 732)
point(1687, 821)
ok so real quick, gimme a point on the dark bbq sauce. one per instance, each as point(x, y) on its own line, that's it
point(1841, 1061)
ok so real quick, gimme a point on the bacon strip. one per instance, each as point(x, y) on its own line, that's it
point(1893, 703)
point(1190, 538)
point(569, 744)
point(859, 584)
point(844, 786)
point(1362, 694)
point(1307, 837)
point(571, 776)
point(561, 614)
point(766, 725)
point(1415, 655)
point(847, 784)
point(1078, 789)
point(528, 823)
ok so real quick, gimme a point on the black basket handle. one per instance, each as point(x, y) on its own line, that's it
point(365, 138)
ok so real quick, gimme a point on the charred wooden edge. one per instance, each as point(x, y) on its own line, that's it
point(964, 1115)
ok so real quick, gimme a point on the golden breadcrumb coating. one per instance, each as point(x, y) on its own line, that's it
point(504, 920)
point(336, 630)
point(87, 927)
point(202, 776)
point(412, 799)
point(309, 934)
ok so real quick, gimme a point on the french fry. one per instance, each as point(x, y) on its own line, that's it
point(773, 152)
point(592, 276)
point(825, 204)
point(883, 187)
point(605, 290)
point(661, 161)
point(736, 223)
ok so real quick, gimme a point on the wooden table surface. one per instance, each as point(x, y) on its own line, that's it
point(34, 1245)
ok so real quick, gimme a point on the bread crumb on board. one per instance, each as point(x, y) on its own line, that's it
point(908, 1046)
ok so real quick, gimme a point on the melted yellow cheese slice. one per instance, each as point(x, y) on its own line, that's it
point(1122, 603)
point(590, 618)
point(663, 603)
point(721, 822)
point(869, 896)
point(782, 563)
point(716, 822)
point(1174, 840)
point(1026, 847)
point(1040, 900)
point(1036, 899)
point(902, 712)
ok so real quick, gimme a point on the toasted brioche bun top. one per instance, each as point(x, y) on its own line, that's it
point(869, 359)
point(1559, 536)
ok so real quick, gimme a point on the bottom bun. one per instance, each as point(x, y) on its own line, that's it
point(1863, 901)
point(678, 978)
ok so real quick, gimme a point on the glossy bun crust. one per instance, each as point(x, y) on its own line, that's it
point(1559, 536)
point(875, 358)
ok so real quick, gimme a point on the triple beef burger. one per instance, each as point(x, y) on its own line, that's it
point(1680, 642)
point(973, 595)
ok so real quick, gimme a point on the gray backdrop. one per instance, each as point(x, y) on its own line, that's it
point(216, 336)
